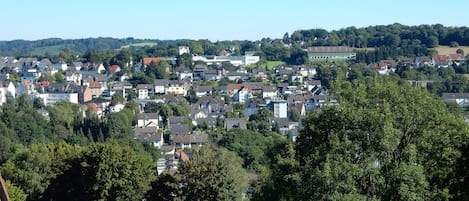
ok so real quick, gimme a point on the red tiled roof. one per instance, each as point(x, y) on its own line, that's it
point(148, 60)
point(94, 84)
point(45, 83)
point(182, 155)
point(114, 68)
point(440, 57)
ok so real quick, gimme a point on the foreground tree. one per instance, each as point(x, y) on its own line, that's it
point(213, 174)
point(384, 141)
point(105, 171)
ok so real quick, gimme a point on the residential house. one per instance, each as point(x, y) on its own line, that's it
point(424, 61)
point(252, 107)
point(269, 92)
point(211, 75)
point(64, 92)
point(282, 124)
point(233, 123)
point(76, 66)
point(120, 87)
point(295, 78)
point(180, 130)
point(279, 107)
point(190, 141)
point(210, 104)
point(144, 91)
point(60, 66)
point(184, 50)
point(6, 88)
point(235, 76)
point(177, 87)
point(185, 75)
point(239, 92)
point(96, 89)
point(102, 105)
point(149, 134)
point(456, 59)
point(45, 65)
point(210, 122)
point(113, 69)
point(73, 77)
point(148, 60)
point(203, 91)
point(260, 73)
point(160, 86)
point(147, 119)
point(441, 61)
point(461, 99)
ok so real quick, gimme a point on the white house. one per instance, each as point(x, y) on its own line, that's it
point(6, 87)
point(279, 107)
point(54, 97)
point(147, 119)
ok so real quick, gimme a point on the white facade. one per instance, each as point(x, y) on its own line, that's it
point(280, 108)
point(184, 50)
point(143, 94)
point(234, 60)
point(51, 98)
point(5, 89)
point(176, 90)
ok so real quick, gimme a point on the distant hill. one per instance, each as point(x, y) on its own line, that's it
point(52, 46)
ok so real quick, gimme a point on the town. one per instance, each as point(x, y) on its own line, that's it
point(272, 119)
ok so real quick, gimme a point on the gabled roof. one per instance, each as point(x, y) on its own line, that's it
point(176, 119)
point(146, 116)
point(202, 88)
point(232, 87)
point(181, 155)
point(145, 86)
point(192, 138)
point(182, 129)
point(148, 60)
point(114, 68)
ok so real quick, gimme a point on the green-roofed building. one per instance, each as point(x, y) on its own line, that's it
point(330, 53)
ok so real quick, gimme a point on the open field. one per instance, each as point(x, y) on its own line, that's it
point(138, 45)
point(271, 64)
point(450, 50)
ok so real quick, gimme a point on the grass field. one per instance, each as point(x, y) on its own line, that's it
point(451, 50)
point(271, 64)
point(138, 45)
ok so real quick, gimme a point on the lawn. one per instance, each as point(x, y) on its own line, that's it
point(138, 45)
point(271, 64)
point(451, 50)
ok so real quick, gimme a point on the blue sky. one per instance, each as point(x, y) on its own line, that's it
point(210, 19)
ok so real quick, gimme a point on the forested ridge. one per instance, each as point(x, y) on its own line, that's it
point(393, 35)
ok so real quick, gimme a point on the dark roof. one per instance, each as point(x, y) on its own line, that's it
point(144, 86)
point(231, 123)
point(203, 88)
point(182, 129)
point(455, 95)
point(176, 119)
point(193, 138)
point(330, 49)
point(147, 116)
point(281, 122)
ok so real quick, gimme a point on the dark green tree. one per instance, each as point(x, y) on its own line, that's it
point(212, 174)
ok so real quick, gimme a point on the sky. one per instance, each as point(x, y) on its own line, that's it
point(210, 19)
